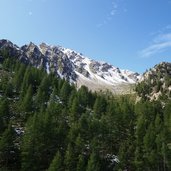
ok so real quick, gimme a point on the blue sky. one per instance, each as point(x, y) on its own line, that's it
point(130, 34)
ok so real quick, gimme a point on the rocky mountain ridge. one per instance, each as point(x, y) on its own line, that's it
point(73, 66)
point(156, 82)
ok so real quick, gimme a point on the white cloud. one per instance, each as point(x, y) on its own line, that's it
point(113, 11)
point(159, 44)
point(30, 13)
point(166, 29)
point(114, 8)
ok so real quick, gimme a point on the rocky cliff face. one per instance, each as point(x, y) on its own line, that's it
point(156, 82)
point(73, 66)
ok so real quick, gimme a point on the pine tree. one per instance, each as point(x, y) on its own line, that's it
point(27, 81)
point(56, 164)
point(4, 113)
point(28, 146)
point(54, 96)
point(39, 142)
point(99, 106)
point(43, 92)
point(75, 110)
point(149, 148)
point(19, 75)
point(27, 103)
point(166, 149)
point(9, 90)
point(4, 82)
point(8, 152)
point(70, 163)
point(65, 92)
point(83, 96)
point(93, 163)
point(2, 125)
point(81, 165)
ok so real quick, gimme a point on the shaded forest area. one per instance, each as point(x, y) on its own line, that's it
point(47, 124)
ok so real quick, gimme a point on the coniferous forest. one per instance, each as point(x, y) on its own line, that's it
point(46, 124)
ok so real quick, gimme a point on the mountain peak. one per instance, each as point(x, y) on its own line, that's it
point(75, 67)
point(156, 82)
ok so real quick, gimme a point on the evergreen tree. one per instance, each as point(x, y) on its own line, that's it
point(27, 103)
point(83, 96)
point(4, 113)
point(19, 75)
point(75, 110)
point(2, 126)
point(56, 164)
point(4, 82)
point(81, 165)
point(93, 163)
point(70, 159)
point(29, 154)
point(29, 79)
point(9, 90)
point(8, 152)
point(43, 92)
point(99, 106)
point(166, 149)
point(40, 142)
point(65, 92)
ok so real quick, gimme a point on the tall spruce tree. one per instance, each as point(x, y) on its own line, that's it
point(56, 164)
point(93, 163)
point(27, 103)
point(8, 151)
point(81, 164)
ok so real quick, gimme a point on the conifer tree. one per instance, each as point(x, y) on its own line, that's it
point(99, 106)
point(75, 110)
point(4, 112)
point(149, 148)
point(93, 163)
point(27, 103)
point(43, 92)
point(28, 146)
point(19, 75)
point(65, 92)
point(70, 160)
point(81, 164)
point(2, 125)
point(8, 153)
point(27, 81)
point(9, 89)
point(166, 150)
point(83, 96)
point(56, 164)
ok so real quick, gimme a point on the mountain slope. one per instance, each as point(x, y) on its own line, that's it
point(45, 122)
point(73, 66)
point(156, 82)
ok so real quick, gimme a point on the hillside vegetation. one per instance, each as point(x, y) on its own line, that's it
point(47, 124)
point(156, 83)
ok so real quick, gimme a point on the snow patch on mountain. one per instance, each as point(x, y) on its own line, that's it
point(100, 71)
point(73, 66)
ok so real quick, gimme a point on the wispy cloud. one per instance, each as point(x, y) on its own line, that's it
point(160, 43)
point(163, 30)
point(115, 7)
point(30, 13)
